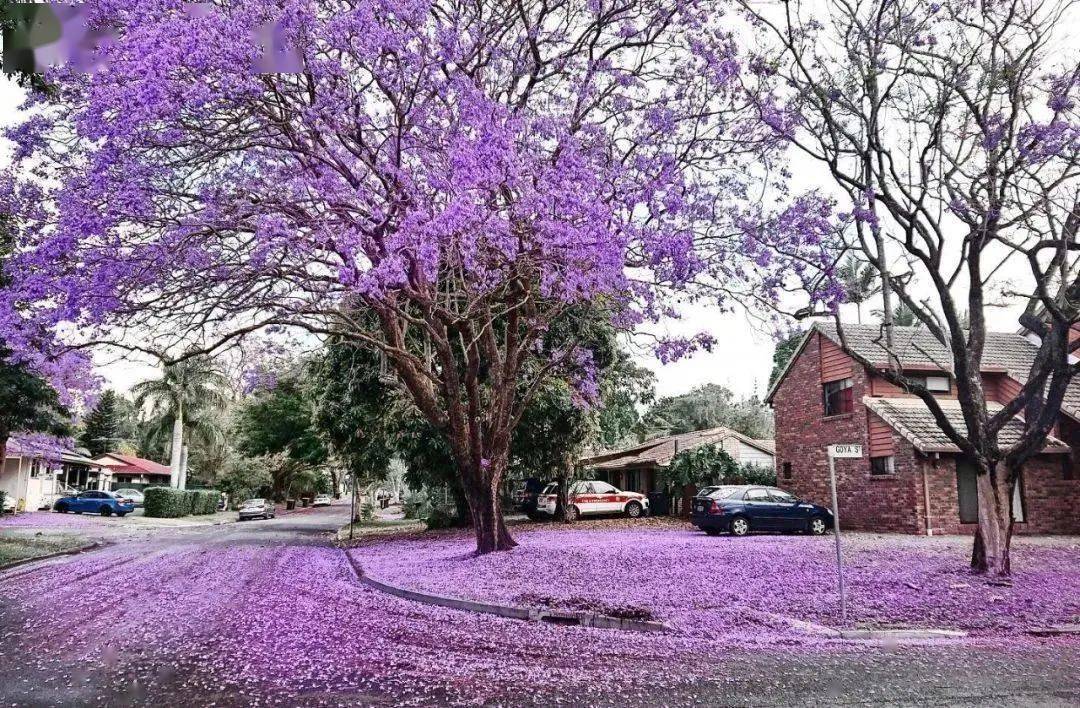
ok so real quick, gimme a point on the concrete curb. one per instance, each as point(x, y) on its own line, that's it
point(38, 559)
point(530, 614)
point(1054, 630)
point(856, 634)
point(901, 634)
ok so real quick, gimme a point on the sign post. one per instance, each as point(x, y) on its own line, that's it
point(844, 452)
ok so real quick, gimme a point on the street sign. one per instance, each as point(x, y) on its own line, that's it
point(842, 452)
point(849, 451)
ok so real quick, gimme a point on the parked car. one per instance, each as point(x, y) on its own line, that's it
point(589, 498)
point(741, 509)
point(526, 496)
point(93, 501)
point(322, 500)
point(257, 509)
point(132, 495)
point(8, 504)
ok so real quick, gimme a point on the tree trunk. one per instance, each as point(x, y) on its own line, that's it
point(174, 451)
point(486, 512)
point(183, 466)
point(990, 550)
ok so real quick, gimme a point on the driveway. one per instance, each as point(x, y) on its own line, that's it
point(269, 612)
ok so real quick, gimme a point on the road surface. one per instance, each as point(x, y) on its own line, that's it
point(268, 612)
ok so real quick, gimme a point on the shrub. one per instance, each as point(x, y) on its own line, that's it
point(3, 495)
point(169, 503)
point(440, 518)
point(165, 503)
point(416, 505)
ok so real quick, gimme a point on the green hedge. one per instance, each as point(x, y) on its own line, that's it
point(169, 503)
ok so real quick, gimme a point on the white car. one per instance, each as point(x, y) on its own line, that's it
point(587, 498)
point(132, 495)
point(257, 509)
point(9, 504)
point(322, 500)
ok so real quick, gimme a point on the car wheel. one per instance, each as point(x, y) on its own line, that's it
point(818, 527)
point(105, 511)
point(633, 510)
point(740, 526)
point(62, 508)
point(572, 513)
point(712, 532)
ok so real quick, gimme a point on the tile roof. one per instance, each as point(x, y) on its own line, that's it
point(129, 464)
point(912, 419)
point(658, 452)
point(1008, 352)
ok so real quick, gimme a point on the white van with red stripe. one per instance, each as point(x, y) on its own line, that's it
point(593, 498)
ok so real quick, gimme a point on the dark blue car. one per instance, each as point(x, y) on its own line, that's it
point(94, 502)
point(740, 509)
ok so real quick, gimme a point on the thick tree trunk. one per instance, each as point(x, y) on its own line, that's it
point(486, 512)
point(990, 550)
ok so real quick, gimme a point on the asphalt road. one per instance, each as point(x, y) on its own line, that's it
point(267, 612)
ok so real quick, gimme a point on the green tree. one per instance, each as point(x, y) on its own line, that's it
point(785, 349)
point(28, 404)
point(278, 424)
point(109, 425)
point(860, 280)
point(709, 406)
point(183, 398)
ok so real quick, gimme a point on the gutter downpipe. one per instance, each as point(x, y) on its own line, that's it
point(926, 500)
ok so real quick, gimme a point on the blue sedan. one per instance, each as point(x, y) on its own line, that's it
point(740, 509)
point(95, 502)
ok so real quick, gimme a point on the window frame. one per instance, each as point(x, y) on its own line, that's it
point(924, 381)
point(765, 492)
point(845, 396)
point(890, 466)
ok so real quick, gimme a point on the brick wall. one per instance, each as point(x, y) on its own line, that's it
point(866, 502)
point(1051, 502)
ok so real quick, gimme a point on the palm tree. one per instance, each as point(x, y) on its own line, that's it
point(860, 281)
point(186, 391)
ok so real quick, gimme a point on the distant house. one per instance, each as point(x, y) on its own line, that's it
point(131, 471)
point(34, 477)
point(911, 478)
point(634, 468)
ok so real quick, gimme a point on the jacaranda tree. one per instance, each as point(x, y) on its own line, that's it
point(952, 130)
point(470, 174)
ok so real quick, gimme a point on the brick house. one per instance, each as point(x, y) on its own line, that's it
point(910, 479)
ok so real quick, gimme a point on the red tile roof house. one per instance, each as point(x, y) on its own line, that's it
point(131, 471)
point(910, 479)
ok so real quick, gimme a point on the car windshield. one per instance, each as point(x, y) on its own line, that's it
point(723, 492)
point(551, 488)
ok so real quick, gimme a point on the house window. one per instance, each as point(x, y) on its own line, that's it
point(787, 470)
point(968, 496)
point(633, 481)
point(933, 384)
point(838, 397)
point(882, 465)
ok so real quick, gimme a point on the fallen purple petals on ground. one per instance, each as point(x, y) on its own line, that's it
point(698, 584)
